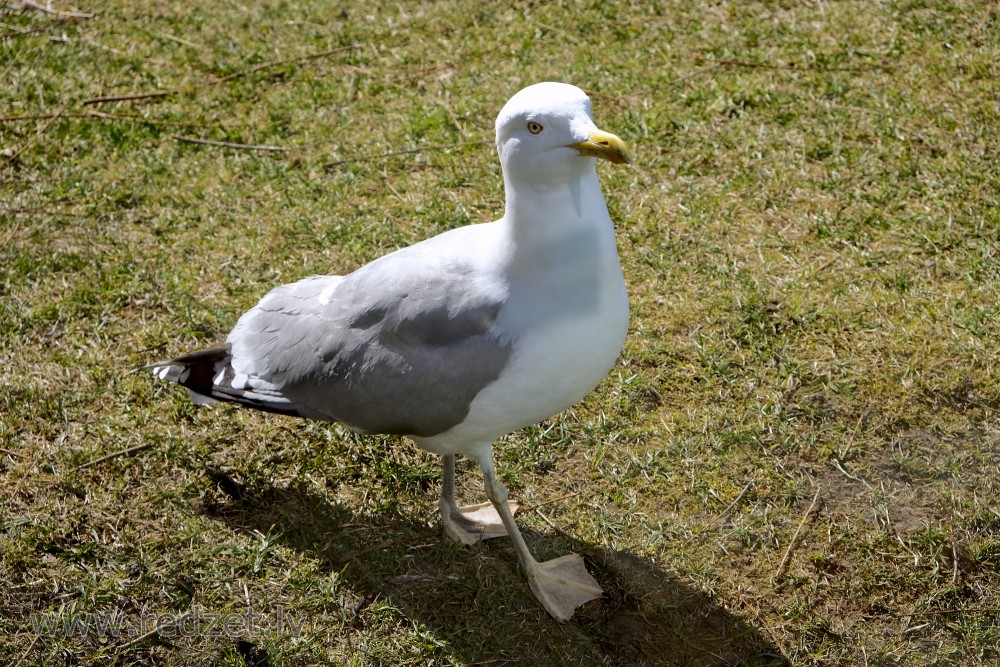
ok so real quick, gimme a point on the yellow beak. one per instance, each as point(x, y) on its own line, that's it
point(604, 145)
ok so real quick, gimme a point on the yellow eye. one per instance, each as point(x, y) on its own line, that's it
point(534, 127)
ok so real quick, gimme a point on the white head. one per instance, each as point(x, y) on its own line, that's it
point(546, 135)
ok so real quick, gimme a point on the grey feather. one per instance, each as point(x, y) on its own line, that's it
point(401, 348)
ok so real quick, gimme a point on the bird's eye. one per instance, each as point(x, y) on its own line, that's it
point(534, 127)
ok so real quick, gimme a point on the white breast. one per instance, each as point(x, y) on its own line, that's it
point(557, 360)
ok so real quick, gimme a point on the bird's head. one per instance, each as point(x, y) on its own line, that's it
point(546, 134)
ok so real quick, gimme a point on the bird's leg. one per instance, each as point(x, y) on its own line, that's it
point(469, 524)
point(561, 584)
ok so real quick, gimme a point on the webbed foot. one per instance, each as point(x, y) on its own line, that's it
point(473, 523)
point(563, 584)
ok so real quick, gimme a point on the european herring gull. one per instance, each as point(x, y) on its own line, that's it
point(462, 338)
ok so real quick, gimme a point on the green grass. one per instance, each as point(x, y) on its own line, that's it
point(812, 242)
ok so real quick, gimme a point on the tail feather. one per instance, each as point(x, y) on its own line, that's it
point(209, 377)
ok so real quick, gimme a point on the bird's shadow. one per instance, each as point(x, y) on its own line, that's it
point(462, 595)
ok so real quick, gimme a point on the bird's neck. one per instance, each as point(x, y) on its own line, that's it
point(561, 248)
point(543, 215)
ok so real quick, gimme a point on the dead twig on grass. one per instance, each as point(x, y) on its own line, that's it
point(766, 628)
point(611, 99)
point(285, 61)
point(63, 39)
point(128, 97)
point(987, 16)
point(938, 612)
point(124, 452)
point(533, 508)
point(823, 267)
point(155, 94)
point(552, 524)
point(228, 144)
point(131, 97)
point(179, 40)
point(955, 571)
point(13, 453)
point(451, 116)
point(730, 62)
point(840, 466)
point(178, 623)
point(725, 513)
point(795, 539)
point(361, 552)
point(40, 116)
point(408, 151)
point(47, 9)
point(34, 139)
point(93, 113)
point(567, 35)
point(17, 32)
point(26, 652)
point(11, 233)
point(140, 119)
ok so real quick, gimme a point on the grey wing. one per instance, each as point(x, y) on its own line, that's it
point(400, 347)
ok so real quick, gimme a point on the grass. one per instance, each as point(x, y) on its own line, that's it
point(795, 461)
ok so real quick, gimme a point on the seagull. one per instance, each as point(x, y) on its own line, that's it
point(459, 339)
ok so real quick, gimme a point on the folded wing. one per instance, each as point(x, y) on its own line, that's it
point(402, 346)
